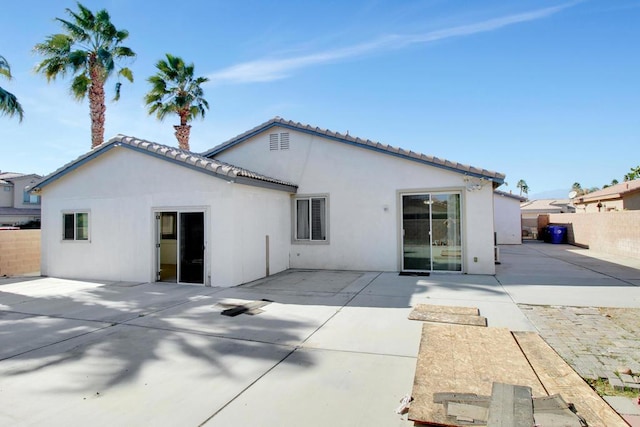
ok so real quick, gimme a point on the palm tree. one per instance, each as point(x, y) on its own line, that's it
point(522, 185)
point(89, 50)
point(9, 104)
point(174, 90)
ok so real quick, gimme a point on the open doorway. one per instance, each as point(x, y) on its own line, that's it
point(180, 247)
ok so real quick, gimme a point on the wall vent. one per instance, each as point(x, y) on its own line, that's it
point(273, 142)
point(284, 141)
point(279, 141)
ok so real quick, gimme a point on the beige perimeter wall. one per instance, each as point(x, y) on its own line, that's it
point(19, 252)
point(616, 233)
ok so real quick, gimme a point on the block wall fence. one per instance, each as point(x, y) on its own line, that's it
point(19, 252)
point(616, 233)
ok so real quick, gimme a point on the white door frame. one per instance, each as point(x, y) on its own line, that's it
point(157, 236)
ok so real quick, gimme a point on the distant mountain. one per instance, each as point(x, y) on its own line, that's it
point(551, 194)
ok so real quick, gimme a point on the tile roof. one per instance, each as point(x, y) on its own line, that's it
point(19, 211)
point(10, 175)
point(611, 192)
point(175, 155)
point(496, 177)
point(511, 195)
point(545, 205)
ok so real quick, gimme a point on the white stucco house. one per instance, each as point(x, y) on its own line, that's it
point(507, 218)
point(281, 195)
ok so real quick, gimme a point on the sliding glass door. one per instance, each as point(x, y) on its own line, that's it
point(431, 238)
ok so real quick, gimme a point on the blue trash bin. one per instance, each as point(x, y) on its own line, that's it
point(557, 234)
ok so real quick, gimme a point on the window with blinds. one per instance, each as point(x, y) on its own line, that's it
point(311, 218)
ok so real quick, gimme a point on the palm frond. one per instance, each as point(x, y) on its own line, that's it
point(9, 105)
point(126, 73)
point(123, 52)
point(80, 86)
point(76, 31)
point(5, 68)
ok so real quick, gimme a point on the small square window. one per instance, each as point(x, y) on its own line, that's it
point(75, 226)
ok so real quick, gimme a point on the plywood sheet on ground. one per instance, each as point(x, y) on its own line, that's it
point(449, 309)
point(465, 359)
point(447, 314)
point(459, 319)
point(559, 378)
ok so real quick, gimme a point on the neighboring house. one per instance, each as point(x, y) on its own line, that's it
point(531, 209)
point(507, 218)
point(133, 210)
point(619, 197)
point(17, 205)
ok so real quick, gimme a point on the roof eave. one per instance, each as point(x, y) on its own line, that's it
point(117, 142)
point(496, 180)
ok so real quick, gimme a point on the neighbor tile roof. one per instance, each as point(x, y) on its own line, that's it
point(175, 155)
point(545, 205)
point(612, 192)
point(7, 211)
point(510, 195)
point(10, 175)
point(496, 177)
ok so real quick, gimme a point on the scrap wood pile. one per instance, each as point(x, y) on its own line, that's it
point(471, 375)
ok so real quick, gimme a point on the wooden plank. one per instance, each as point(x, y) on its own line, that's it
point(559, 378)
point(460, 319)
point(451, 309)
point(467, 411)
point(511, 406)
point(554, 411)
point(465, 359)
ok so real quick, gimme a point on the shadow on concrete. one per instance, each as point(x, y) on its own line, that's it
point(541, 263)
point(98, 332)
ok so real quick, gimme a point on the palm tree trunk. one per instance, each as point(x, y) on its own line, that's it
point(96, 106)
point(182, 135)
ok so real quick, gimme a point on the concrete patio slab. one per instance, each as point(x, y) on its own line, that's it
point(363, 328)
point(314, 281)
point(94, 301)
point(438, 285)
point(286, 324)
point(128, 375)
point(20, 333)
point(546, 274)
point(333, 348)
point(575, 295)
point(340, 389)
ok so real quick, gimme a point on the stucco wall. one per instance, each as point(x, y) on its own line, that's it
point(6, 196)
point(615, 233)
point(19, 185)
point(632, 202)
point(122, 189)
point(364, 190)
point(507, 221)
point(19, 252)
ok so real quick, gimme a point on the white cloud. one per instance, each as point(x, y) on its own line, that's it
point(264, 70)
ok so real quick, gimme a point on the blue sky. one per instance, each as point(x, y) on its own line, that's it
point(545, 91)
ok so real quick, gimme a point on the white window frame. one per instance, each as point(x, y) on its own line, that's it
point(75, 214)
point(294, 212)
